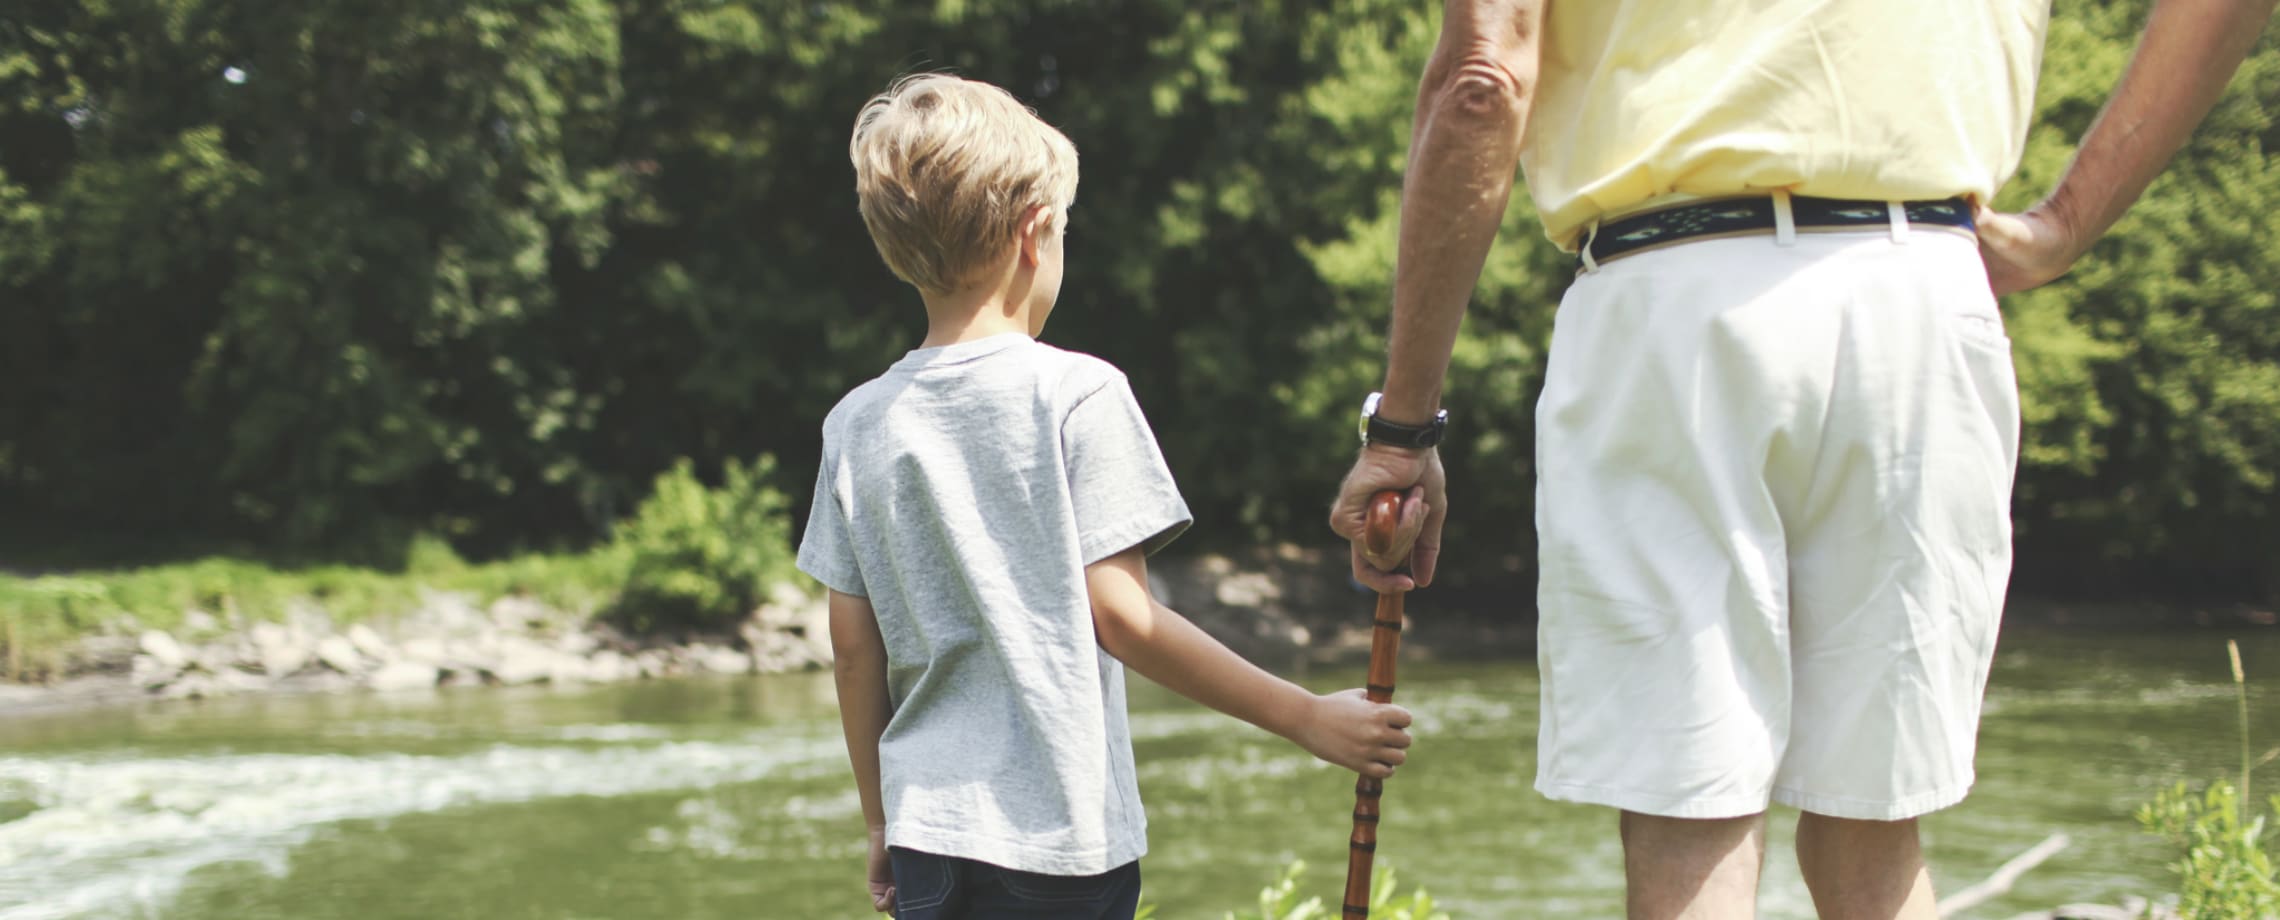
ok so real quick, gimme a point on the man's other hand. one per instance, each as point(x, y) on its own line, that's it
point(2025, 251)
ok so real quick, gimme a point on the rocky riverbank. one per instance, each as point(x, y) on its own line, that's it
point(1284, 606)
point(449, 640)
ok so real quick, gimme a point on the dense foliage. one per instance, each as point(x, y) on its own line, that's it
point(307, 279)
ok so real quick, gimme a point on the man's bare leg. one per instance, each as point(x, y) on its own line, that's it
point(1865, 870)
point(1692, 869)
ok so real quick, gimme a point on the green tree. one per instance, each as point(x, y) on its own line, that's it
point(2151, 373)
point(290, 271)
point(308, 279)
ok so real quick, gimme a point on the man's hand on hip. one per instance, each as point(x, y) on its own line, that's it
point(1415, 472)
point(2025, 251)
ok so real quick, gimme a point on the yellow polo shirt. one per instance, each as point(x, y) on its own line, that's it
point(1650, 100)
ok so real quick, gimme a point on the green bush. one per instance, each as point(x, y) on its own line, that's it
point(701, 559)
point(2225, 869)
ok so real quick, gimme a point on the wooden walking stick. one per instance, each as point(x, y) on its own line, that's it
point(1385, 644)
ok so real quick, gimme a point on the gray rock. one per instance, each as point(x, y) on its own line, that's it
point(796, 631)
point(369, 642)
point(468, 656)
point(340, 655)
point(577, 643)
point(216, 657)
point(568, 669)
point(284, 660)
point(608, 666)
point(150, 674)
point(521, 661)
point(427, 651)
point(164, 650)
point(720, 660)
point(518, 613)
point(404, 675)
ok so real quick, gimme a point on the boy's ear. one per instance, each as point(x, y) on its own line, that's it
point(1035, 225)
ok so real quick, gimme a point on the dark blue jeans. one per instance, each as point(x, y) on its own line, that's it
point(930, 887)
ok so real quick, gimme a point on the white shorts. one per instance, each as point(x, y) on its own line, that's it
point(1773, 504)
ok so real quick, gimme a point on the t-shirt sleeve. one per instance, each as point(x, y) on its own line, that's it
point(827, 551)
point(1119, 487)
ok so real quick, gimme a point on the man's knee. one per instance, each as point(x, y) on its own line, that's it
point(1691, 867)
point(1701, 835)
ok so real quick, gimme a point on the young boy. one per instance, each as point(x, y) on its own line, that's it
point(981, 519)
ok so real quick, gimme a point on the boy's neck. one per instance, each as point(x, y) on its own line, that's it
point(975, 313)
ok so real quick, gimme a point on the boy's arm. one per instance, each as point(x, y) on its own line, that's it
point(859, 666)
point(1342, 728)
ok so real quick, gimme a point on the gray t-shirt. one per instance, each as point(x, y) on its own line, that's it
point(964, 491)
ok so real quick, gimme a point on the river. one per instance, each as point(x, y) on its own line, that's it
point(730, 797)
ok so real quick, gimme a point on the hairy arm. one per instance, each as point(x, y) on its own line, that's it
point(1473, 104)
point(2188, 53)
point(859, 667)
point(1341, 728)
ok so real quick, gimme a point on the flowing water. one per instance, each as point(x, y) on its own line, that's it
point(731, 798)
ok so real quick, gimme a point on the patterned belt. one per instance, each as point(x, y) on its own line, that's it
point(1749, 216)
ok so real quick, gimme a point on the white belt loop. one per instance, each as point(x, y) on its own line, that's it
point(1590, 235)
point(1899, 214)
point(1784, 219)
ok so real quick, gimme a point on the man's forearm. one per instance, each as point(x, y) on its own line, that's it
point(1472, 113)
point(2188, 53)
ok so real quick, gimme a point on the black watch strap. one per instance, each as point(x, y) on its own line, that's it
point(1376, 430)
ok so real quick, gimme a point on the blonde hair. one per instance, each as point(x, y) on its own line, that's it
point(945, 168)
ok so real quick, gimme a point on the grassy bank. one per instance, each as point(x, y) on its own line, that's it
point(692, 558)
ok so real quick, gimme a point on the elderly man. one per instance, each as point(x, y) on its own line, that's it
point(1778, 427)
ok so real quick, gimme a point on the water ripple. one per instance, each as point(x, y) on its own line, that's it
point(112, 833)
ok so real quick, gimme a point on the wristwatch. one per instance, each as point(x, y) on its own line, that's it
point(1376, 430)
